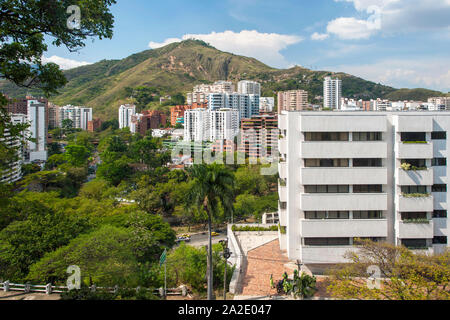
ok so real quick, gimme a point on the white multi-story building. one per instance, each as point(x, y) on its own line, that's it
point(247, 105)
point(200, 92)
point(332, 93)
point(37, 118)
point(266, 104)
point(80, 116)
point(206, 125)
point(249, 87)
point(126, 113)
point(441, 103)
point(223, 124)
point(196, 125)
point(14, 172)
point(347, 175)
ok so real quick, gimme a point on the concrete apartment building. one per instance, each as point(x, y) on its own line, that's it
point(14, 172)
point(80, 116)
point(378, 175)
point(249, 87)
point(293, 100)
point(126, 112)
point(259, 135)
point(211, 125)
point(177, 112)
point(440, 102)
point(266, 104)
point(37, 118)
point(200, 92)
point(247, 105)
point(332, 93)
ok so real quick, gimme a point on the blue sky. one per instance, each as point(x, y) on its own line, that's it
point(402, 43)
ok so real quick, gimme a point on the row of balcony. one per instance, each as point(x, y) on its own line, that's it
point(367, 149)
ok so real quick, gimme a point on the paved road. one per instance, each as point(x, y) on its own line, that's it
point(201, 240)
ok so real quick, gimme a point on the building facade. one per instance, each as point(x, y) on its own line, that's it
point(249, 87)
point(259, 136)
point(247, 105)
point(80, 116)
point(293, 100)
point(332, 93)
point(37, 118)
point(126, 112)
point(266, 104)
point(14, 171)
point(347, 175)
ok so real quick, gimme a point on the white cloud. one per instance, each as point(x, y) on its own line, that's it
point(350, 28)
point(431, 73)
point(392, 16)
point(266, 47)
point(63, 63)
point(319, 36)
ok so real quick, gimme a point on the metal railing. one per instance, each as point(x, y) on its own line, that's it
point(51, 289)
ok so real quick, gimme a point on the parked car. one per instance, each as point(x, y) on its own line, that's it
point(183, 238)
point(214, 234)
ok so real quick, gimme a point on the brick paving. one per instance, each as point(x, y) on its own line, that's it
point(261, 263)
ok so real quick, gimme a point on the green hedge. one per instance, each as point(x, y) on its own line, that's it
point(250, 229)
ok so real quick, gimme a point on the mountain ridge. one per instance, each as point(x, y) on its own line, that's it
point(179, 66)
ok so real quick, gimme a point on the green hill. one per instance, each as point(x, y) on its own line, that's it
point(177, 67)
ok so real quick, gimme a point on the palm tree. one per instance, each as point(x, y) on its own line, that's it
point(211, 184)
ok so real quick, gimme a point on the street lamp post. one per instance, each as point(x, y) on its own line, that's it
point(226, 255)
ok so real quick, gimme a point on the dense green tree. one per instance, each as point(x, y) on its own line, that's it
point(115, 171)
point(25, 241)
point(53, 148)
point(212, 184)
point(77, 155)
point(104, 256)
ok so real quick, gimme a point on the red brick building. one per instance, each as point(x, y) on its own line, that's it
point(151, 120)
point(177, 112)
point(94, 125)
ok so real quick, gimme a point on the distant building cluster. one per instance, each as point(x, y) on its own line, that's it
point(140, 122)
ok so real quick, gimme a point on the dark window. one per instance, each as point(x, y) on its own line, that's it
point(366, 136)
point(368, 188)
point(370, 238)
point(414, 189)
point(440, 214)
point(367, 162)
point(413, 136)
point(326, 136)
point(439, 188)
point(418, 163)
point(439, 162)
point(327, 214)
point(413, 215)
point(440, 240)
point(439, 135)
point(327, 189)
point(327, 241)
point(326, 163)
point(415, 243)
point(367, 215)
point(283, 205)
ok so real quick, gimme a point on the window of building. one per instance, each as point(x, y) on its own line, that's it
point(283, 205)
point(418, 163)
point(327, 241)
point(440, 240)
point(440, 214)
point(326, 136)
point(367, 162)
point(439, 162)
point(413, 136)
point(415, 243)
point(326, 163)
point(439, 188)
point(414, 189)
point(315, 215)
point(374, 239)
point(413, 215)
point(367, 136)
point(327, 189)
point(367, 215)
point(368, 188)
point(439, 135)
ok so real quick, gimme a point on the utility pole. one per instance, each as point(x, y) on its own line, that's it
point(226, 256)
